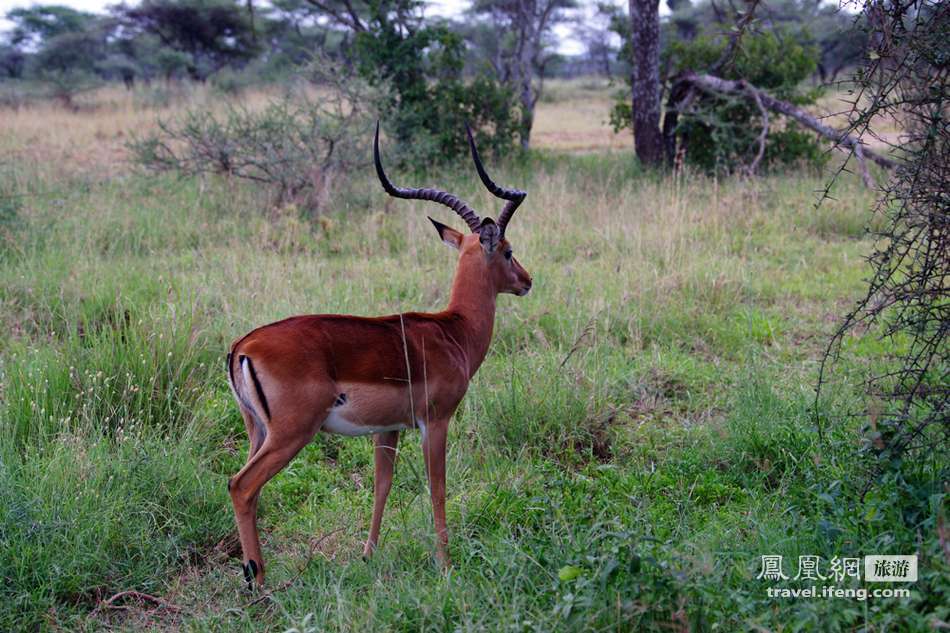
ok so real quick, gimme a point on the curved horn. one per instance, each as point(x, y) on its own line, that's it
point(434, 195)
point(513, 196)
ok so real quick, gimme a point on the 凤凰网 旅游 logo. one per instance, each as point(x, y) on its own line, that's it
point(877, 568)
point(838, 577)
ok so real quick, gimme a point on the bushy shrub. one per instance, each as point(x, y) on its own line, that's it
point(429, 100)
point(65, 85)
point(232, 82)
point(297, 146)
point(722, 133)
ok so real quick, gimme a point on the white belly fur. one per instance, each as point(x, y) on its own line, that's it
point(336, 423)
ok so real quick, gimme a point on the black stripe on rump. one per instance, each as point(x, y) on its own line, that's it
point(231, 372)
point(257, 384)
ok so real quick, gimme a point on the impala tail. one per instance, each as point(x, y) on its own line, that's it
point(247, 389)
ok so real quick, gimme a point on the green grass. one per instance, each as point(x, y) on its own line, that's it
point(644, 416)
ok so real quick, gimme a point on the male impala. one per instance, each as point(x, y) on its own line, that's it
point(356, 375)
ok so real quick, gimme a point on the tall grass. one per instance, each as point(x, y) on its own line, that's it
point(642, 419)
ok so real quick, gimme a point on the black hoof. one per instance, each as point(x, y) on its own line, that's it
point(250, 573)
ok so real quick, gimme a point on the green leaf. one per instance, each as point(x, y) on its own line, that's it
point(569, 573)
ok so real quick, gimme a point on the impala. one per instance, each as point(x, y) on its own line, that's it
point(356, 375)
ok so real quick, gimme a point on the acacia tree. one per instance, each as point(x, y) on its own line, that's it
point(523, 51)
point(59, 46)
point(212, 33)
point(707, 73)
point(38, 24)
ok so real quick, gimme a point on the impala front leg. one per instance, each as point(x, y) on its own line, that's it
point(433, 449)
point(385, 459)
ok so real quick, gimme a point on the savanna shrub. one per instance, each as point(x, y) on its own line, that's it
point(429, 100)
point(722, 133)
point(297, 146)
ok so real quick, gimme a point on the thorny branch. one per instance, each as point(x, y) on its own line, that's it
point(906, 79)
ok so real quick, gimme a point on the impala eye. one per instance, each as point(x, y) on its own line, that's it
point(508, 255)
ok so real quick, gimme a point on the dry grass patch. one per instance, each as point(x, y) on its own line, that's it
point(574, 116)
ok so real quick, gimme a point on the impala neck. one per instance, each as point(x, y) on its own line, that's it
point(473, 298)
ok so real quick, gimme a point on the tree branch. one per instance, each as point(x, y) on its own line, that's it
point(765, 125)
point(729, 52)
point(863, 166)
point(110, 603)
point(711, 84)
point(351, 19)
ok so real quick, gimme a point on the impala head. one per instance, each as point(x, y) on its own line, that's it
point(486, 244)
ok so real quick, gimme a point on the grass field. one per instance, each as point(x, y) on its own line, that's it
point(641, 433)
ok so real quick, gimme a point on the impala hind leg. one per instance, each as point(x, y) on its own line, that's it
point(385, 458)
point(245, 487)
point(256, 434)
point(433, 449)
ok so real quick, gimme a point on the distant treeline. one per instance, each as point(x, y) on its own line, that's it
point(172, 39)
point(486, 66)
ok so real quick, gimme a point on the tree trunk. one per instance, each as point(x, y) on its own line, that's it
point(678, 101)
point(645, 83)
point(250, 15)
point(527, 112)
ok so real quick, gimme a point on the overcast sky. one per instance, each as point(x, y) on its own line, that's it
point(446, 8)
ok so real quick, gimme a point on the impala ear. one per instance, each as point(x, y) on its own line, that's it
point(448, 235)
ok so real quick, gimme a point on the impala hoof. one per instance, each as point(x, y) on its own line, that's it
point(250, 573)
